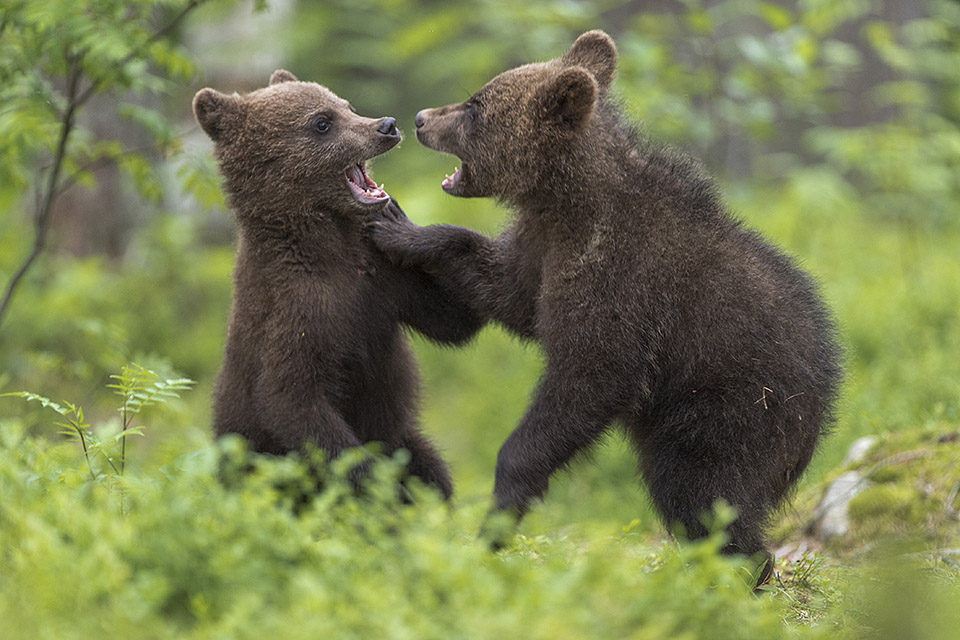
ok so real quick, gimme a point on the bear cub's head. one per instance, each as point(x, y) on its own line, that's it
point(512, 128)
point(295, 146)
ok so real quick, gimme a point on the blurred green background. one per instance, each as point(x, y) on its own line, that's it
point(833, 125)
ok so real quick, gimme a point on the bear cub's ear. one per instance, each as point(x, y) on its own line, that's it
point(568, 99)
point(282, 75)
point(595, 52)
point(214, 111)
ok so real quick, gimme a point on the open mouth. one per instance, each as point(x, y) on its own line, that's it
point(451, 182)
point(364, 189)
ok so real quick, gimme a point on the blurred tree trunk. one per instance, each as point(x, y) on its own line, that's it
point(101, 220)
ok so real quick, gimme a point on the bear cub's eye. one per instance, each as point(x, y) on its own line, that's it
point(472, 112)
point(321, 125)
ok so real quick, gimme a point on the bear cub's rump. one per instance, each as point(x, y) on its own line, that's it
point(316, 352)
point(656, 309)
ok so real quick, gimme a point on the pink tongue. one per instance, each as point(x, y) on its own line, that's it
point(365, 185)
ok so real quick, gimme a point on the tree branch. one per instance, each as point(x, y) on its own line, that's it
point(45, 203)
point(75, 100)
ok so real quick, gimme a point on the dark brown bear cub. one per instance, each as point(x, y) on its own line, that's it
point(656, 309)
point(316, 352)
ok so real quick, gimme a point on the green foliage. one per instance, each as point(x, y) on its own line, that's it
point(912, 491)
point(194, 559)
point(56, 57)
point(757, 68)
point(909, 162)
point(138, 388)
point(899, 597)
point(74, 427)
point(91, 316)
point(57, 54)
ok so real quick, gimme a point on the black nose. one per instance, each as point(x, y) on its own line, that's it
point(418, 119)
point(388, 127)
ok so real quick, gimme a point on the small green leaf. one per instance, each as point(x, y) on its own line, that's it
point(132, 431)
point(44, 401)
point(776, 16)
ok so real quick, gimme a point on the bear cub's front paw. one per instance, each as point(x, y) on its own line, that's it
point(392, 232)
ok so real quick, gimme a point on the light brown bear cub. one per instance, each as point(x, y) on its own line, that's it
point(316, 352)
point(657, 310)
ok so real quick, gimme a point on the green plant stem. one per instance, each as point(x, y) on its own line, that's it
point(123, 441)
point(83, 443)
point(110, 462)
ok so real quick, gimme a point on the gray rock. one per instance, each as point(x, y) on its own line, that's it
point(859, 449)
point(831, 517)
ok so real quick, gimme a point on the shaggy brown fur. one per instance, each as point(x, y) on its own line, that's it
point(656, 309)
point(315, 348)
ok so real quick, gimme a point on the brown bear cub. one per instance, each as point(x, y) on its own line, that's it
point(656, 309)
point(316, 352)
